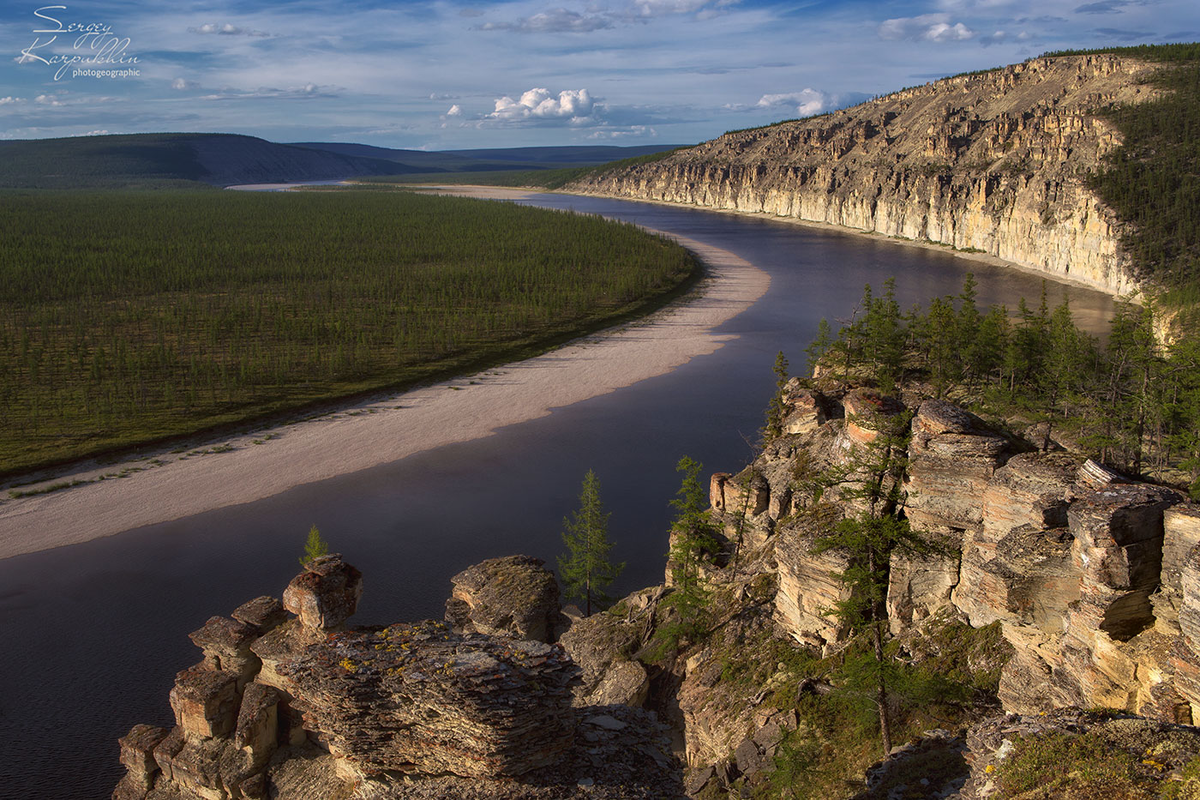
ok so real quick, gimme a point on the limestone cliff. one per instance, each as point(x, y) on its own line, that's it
point(994, 162)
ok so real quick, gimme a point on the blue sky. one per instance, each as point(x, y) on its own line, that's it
point(443, 75)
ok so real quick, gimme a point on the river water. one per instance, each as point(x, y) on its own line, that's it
point(93, 634)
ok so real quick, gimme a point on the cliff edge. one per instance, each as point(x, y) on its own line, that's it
point(994, 162)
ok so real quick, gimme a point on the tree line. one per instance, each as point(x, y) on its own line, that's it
point(1130, 401)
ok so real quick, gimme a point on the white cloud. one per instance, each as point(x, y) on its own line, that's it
point(632, 132)
point(48, 100)
point(306, 92)
point(810, 101)
point(555, 20)
point(455, 111)
point(95, 133)
point(575, 105)
point(4, 101)
point(564, 20)
point(927, 27)
point(182, 85)
point(226, 29)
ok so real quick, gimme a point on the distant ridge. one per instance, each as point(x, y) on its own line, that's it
point(488, 159)
point(167, 159)
point(149, 160)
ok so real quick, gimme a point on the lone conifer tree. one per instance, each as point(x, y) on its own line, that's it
point(585, 568)
point(314, 547)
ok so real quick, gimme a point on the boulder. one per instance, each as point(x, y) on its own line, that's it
point(747, 493)
point(515, 596)
point(867, 414)
point(326, 594)
point(137, 755)
point(257, 730)
point(803, 410)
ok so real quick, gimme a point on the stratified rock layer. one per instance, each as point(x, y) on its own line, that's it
point(304, 708)
point(994, 162)
point(512, 596)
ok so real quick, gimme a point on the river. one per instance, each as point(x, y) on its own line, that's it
point(94, 633)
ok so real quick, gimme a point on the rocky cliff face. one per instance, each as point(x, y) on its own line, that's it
point(993, 162)
point(1093, 579)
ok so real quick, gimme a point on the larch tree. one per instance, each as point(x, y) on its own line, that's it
point(586, 568)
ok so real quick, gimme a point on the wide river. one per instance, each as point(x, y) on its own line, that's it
point(93, 634)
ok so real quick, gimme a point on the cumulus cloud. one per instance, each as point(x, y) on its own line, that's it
point(575, 106)
point(455, 111)
point(225, 29)
point(96, 133)
point(4, 101)
point(810, 101)
point(182, 84)
point(48, 100)
point(927, 27)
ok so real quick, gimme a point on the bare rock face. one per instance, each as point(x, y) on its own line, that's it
point(513, 596)
point(1016, 564)
point(919, 585)
point(991, 161)
point(807, 588)
point(436, 701)
point(1118, 547)
point(1181, 534)
point(952, 458)
point(326, 594)
point(803, 409)
point(604, 646)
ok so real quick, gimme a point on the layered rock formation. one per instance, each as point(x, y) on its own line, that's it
point(1095, 581)
point(305, 707)
point(995, 162)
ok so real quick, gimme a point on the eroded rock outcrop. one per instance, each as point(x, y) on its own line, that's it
point(514, 596)
point(1094, 578)
point(307, 707)
point(993, 162)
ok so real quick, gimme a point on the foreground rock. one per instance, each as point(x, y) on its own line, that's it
point(306, 707)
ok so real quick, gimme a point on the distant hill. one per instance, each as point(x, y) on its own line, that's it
point(150, 160)
point(488, 160)
point(172, 159)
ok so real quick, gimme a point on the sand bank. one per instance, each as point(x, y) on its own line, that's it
point(170, 486)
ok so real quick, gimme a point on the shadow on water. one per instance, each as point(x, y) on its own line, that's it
point(94, 633)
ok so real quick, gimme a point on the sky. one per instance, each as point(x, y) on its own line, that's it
point(456, 74)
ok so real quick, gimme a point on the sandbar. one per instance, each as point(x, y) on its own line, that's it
point(172, 485)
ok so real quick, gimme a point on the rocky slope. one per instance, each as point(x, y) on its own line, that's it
point(1055, 585)
point(993, 162)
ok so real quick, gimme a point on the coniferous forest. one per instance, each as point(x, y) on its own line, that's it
point(1130, 401)
point(132, 316)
